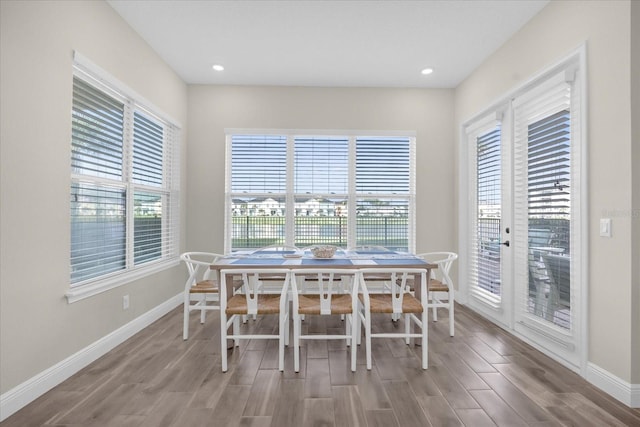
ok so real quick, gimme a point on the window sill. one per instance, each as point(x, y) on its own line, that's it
point(102, 285)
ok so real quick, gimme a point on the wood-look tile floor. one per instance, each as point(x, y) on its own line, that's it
point(481, 377)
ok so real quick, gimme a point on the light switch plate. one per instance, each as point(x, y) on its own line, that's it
point(605, 227)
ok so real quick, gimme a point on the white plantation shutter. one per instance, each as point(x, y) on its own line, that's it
point(125, 188)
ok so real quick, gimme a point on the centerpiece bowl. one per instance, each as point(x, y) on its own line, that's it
point(325, 251)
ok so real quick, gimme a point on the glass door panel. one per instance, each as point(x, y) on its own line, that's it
point(488, 212)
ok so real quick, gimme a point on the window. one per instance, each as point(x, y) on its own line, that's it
point(320, 189)
point(124, 197)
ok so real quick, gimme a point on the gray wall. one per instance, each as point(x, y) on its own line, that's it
point(555, 32)
point(214, 108)
point(635, 161)
point(37, 325)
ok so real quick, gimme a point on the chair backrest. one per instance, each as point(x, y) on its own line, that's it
point(198, 264)
point(398, 283)
point(559, 271)
point(444, 260)
point(539, 237)
point(537, 271)
point(251, 285)
point(329, 282)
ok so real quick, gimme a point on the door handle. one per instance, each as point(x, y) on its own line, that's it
point(506, 243)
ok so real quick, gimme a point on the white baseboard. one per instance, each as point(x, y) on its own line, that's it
point(23, 394)
point(625, 392)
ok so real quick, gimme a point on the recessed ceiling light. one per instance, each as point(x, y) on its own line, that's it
point(427, 71)
point(218, 67)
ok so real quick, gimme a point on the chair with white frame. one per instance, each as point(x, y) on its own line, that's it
point(252, 300)
point(334, 293)
point(201, 291)
point(440, 284)
point(398, 302)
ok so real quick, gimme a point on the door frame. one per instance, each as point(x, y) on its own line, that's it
point(578, 363)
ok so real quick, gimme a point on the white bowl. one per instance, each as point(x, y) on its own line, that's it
point(323, 251)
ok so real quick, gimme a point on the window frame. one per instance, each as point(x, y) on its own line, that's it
point(168, 190)
point(351, 196)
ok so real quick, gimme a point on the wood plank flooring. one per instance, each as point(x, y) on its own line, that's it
point(481, 377)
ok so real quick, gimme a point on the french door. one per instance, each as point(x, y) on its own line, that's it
point(490, 283)
point(524, 215)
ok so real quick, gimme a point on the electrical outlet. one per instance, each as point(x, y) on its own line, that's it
point(125, 302)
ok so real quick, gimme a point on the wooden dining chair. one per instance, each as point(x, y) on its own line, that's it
point(398, 302)
point(201, 290)
point(252, 300)
point(440, 286)
point(334, 293)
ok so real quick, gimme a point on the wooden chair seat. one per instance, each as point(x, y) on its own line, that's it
point(437, 286)
point(310, 304)
point(205, 287)
point(267, 304)
point(382, 303)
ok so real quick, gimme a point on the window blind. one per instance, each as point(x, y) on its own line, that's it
point(549, 166)
point(125, 188)
point(148, 232)
point(321, 165)
point(97, 132)
point(341, 190)
point(98, 230)
point(382, 165)
point(543, 200)
point(258, 164)
point(148, 153)
point(485, 259)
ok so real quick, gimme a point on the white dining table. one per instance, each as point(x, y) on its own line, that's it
point(356, 259)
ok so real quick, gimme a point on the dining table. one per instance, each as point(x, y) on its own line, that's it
point(349, 259)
